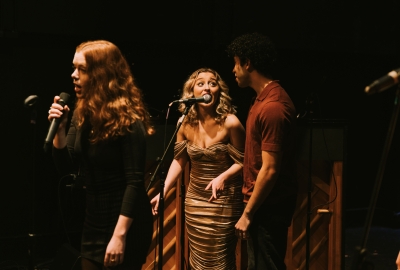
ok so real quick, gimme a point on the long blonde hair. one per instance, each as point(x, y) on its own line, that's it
point(111, 102)
point(223, 107)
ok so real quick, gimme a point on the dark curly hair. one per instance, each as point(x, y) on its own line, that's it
point(257, 48)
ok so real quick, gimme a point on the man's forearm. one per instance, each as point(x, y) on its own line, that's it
point(262, 188)
point(265, 181)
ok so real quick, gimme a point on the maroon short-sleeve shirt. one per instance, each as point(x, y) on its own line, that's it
point(270, 127)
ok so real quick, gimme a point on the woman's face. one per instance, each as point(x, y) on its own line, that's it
point(206, 83)
point(79, 76)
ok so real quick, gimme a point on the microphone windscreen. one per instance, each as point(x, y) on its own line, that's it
point(207, 98)
point(64, 98)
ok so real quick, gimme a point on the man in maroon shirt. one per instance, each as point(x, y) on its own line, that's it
point(270, 186)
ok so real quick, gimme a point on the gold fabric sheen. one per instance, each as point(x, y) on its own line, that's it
point(211, 225)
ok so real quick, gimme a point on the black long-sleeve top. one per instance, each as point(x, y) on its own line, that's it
point(113, 171)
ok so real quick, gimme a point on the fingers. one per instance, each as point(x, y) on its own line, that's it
point(154, 205)
point(242, 226)
point(154, 209)
point(242, 234)
point(113, 259)
point(215, 194)
point(56, 110)
point(54, 113)
point(57, 113)
point(208, 186)
point(57, 105)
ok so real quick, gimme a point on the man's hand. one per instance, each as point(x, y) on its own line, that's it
point(242, 226)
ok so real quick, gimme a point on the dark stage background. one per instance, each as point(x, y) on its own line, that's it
point(329, 50)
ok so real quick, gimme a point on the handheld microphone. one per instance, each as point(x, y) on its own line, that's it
point(203, 99)
point(383, 83)
point(64, 99)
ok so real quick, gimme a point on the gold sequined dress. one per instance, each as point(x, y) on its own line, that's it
point(211, 225)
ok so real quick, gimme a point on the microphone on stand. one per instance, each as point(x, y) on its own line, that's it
point(204, 99)
point(30, 103)
point(383, 83)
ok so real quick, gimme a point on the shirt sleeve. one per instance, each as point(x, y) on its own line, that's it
point(65, 159)
point(236, 154)
point(134, 158)
point(180, 149)
point(273, 124)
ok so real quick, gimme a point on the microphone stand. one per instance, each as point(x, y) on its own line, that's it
point(30, 103)
point(309, 112)
point(162, 184)
point(309, 192)
point(359, 262)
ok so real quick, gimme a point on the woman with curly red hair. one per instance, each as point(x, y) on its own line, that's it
point(106, 144)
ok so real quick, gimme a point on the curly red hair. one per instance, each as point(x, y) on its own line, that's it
point(112, 101)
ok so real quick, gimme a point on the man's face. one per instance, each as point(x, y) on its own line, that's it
point(241, 73)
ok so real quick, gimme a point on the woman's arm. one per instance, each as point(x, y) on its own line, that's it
point(175, 170)
point(63, 145)
point(237, 139)
point(116, 247)
point(134, 157)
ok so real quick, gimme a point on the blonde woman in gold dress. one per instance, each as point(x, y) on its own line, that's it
point(212, 139)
